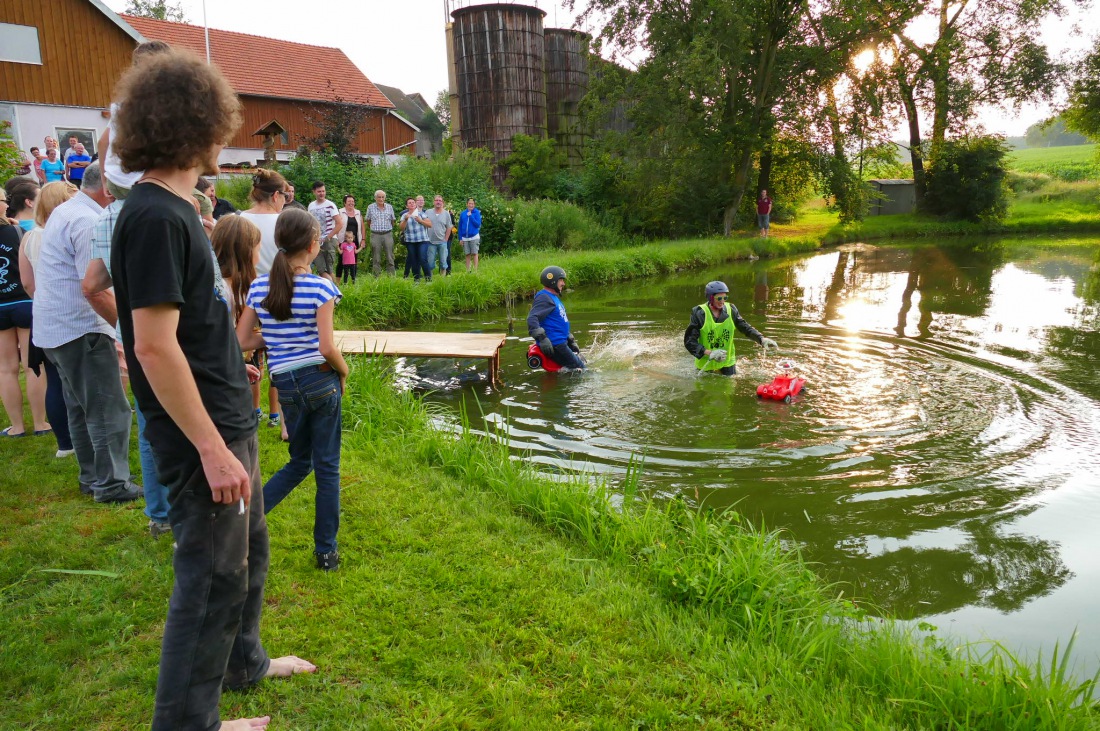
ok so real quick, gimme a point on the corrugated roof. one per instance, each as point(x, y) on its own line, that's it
point(406, 105)
point(249, 63)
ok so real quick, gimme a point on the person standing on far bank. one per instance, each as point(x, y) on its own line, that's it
point(381, 218)
point(763, 213)
point(469, 233)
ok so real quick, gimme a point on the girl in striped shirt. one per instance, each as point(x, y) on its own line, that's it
point(293, 308)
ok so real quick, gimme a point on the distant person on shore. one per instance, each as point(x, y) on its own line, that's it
point(52, 167)
point(763, 213)
point(331, 221)
point(76, 164)
point(348, 251)
point(290, 200)
point(709, 334)
point(548, 324)
point(415, 225)
point(36, 160)
point(293, 309)
point(439, 233)
point(353, 222)
point(188, 372)
point(469, 233)
point(381, 219)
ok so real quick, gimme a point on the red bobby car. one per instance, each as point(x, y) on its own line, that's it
point(784, 386)
point(537, 359)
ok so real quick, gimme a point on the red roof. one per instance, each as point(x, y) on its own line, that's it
point(239, 55)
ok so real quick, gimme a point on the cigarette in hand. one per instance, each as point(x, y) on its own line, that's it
point(241, 511)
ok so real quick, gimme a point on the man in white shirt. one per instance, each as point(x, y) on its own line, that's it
point(81, 344)
point(332, 221)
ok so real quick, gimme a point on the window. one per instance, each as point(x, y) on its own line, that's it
point(19, 44)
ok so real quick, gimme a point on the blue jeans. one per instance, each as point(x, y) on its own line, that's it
point(56, 410)
point(311, 399)
point(436, 251)
point(156, 494)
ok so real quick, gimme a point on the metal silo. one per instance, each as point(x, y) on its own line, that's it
point(499, 64)
point(566, 85)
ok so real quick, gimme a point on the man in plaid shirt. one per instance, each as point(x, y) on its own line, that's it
point(415, 225)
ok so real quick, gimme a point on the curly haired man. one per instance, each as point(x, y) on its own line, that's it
point(174, 116)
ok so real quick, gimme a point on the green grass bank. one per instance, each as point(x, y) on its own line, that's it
point(477, 594)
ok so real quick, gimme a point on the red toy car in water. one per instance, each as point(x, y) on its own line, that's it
point(784, 386)
point(537, 359)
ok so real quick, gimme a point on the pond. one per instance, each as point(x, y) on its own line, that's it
point(944, 461)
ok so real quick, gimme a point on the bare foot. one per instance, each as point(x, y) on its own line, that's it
point(284, 667)
point(246, 724)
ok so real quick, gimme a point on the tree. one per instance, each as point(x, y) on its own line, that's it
point(11, 159)
point(1083, 112)
point(722, 77)
point(532, 167)
point(158, 9)
point(442, 109)
point(981, 52)
point(1053, 133)
point(337, 125)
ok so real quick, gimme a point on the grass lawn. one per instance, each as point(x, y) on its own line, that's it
point(475, 594)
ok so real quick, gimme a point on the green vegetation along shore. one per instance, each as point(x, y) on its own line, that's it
point(476, 594)
point(1054, 208)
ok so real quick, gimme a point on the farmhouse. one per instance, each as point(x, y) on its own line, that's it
point(51, 85)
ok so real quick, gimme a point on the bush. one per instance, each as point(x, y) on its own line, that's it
point(532, 167)
point(546, 224)
point(236, 190)
point(1026, 182)
point(968, 179)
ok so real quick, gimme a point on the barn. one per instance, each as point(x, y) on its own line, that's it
point(50, 85)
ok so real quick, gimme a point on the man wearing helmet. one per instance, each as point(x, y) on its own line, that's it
point(549, 325)
point(709, 336)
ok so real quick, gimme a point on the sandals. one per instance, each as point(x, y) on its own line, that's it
point(7, 433)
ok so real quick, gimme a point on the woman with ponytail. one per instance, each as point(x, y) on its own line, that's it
point(236, 243)
point(293, 308)
point(268, 198)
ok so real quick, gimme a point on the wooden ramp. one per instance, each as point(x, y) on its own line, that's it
point(426, 345)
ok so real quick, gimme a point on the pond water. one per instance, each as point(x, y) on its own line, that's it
point(944, 461)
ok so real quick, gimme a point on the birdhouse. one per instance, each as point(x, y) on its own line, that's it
point(269, 132)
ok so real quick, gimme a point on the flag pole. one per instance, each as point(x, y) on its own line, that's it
point(206, 31)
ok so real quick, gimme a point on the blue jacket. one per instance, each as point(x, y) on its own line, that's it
point(548, 312)
point(469, 224)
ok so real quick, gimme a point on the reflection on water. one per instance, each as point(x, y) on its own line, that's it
point(943, 462)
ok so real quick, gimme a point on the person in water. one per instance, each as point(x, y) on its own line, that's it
point(709, 335)
point(549, 325)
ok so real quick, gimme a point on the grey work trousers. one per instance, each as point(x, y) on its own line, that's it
point(378, 243)
point(212, 634)
point(99, 414)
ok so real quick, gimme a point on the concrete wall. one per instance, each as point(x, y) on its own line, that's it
point(32, 122)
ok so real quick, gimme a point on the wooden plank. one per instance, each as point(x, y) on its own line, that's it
point(421, 344)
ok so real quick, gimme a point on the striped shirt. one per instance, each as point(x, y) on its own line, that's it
point(61, 314)
point(325, 213)
point(415, 232)
point(102, 232)
point(381, 221)
point(292, 343)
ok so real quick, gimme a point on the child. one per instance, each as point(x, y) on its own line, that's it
point(294, 309)
point(236, 242)
point(348, 251)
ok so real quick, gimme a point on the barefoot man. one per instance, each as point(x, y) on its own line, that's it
point(175, 114)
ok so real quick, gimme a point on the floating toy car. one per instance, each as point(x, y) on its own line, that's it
point(784, 386)
point(537, 359)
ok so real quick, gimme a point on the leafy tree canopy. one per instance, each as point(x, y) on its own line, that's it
point(1083, 112)
point(158, 9)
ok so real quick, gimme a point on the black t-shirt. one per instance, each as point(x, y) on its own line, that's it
point(160, 254)
point(11, 286)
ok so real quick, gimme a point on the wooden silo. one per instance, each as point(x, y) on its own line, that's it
point(499, 63)
point(566, 85)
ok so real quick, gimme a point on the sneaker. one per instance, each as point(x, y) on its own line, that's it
point(328, 561)
point(64, 453)
point(259, 414)
point(121, 494)
point(274, 419)
point(157, 528)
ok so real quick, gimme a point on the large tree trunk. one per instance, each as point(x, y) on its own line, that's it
point(940, 73)
point(764, 179)
point(915, 155)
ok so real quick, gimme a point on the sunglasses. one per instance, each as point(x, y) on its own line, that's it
point(721, 297)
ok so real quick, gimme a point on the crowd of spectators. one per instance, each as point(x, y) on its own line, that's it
point(129, 289)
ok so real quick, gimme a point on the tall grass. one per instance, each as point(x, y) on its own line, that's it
point(752, 582)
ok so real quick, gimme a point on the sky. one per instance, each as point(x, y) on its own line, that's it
point(401, 42)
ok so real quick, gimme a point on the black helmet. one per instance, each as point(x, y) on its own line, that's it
point(716, 287)
point(550, 276)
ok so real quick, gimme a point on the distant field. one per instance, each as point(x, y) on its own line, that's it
point(1077, 162)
